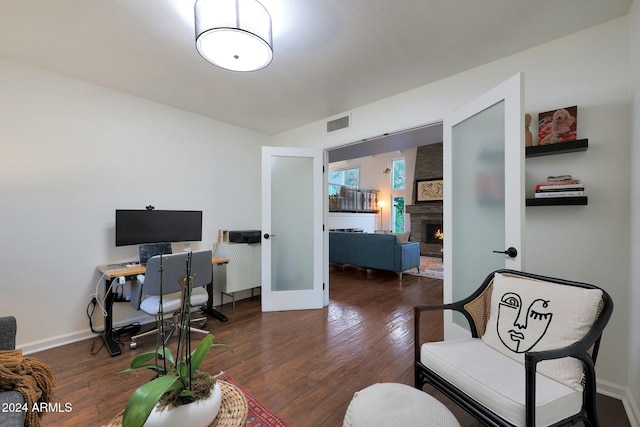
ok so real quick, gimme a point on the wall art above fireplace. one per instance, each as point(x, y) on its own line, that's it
point(429, 190)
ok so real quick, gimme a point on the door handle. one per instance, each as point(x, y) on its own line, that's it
point(267, 235)
point(512, 252)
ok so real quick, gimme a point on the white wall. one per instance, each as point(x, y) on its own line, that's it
point(70, 154)
point(588, 243)
point(634, 300)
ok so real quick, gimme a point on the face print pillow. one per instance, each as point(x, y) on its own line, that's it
point(522, 323)
point(532, 315)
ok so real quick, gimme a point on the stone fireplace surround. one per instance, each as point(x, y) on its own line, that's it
point(428, 166)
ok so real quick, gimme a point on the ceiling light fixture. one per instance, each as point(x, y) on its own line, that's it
point(234, 34)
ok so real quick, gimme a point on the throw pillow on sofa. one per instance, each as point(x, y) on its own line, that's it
point(534, 315)
point(402, 238)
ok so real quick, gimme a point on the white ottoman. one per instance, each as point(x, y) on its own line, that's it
point(396, 405)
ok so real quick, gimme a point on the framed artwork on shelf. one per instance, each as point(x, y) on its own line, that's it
point(429, 190)
point(558, 126)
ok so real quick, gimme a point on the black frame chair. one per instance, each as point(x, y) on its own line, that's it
point(476, 309)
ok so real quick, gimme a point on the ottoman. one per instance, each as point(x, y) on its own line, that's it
point(391, 405)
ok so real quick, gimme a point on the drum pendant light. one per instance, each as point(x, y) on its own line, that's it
point(234, 34)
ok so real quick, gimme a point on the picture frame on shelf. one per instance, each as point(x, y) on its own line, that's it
point(429, 190)
point(557, 126)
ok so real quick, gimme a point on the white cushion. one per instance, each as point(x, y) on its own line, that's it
point(498, 382)
point(390, 404)
point(533, 315)
point(171, 302)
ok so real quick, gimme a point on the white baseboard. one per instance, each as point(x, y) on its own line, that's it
point(36, 346)
point(621, 393)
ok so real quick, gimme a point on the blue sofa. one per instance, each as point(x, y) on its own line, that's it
point(376, 251)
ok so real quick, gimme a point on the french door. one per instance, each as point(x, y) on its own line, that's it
point(292, 213)
point(484, 192)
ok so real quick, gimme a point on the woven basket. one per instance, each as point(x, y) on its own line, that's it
point(234, 408)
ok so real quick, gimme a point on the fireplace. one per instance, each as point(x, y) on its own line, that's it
point(432, 232)
point(427, 228)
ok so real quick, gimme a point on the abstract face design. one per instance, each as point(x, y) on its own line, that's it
point(521, 324)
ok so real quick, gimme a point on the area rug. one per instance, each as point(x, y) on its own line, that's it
point(429, 267)
point(259, 415)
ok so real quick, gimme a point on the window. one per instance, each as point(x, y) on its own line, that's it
point(398, 180)
point(397, 220)
point(398, 176)
point(348, 177)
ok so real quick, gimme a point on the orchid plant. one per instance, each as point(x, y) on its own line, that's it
point(177, 378)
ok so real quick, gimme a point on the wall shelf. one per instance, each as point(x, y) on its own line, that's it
point(558, 201)
point(559, 148)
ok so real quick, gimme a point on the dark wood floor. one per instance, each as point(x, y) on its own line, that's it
point(304, 365)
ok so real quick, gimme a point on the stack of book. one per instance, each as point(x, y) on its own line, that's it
point(560, 186)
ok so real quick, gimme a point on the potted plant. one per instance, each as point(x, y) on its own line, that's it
point(179, 389)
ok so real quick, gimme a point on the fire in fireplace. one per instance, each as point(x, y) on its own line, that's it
point(433, 233)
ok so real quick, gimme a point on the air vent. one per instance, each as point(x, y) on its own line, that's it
point(338, 124)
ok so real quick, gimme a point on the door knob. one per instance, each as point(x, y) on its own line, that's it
point(512, 252)
point(267, 235)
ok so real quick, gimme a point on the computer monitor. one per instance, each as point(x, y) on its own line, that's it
point(139, 226)
point(149, 250)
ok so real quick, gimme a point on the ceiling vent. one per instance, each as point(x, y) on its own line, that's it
point(339, 124)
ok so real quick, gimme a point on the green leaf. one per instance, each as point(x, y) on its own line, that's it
point(144, 399)
point(198, 355)
point(148, 361)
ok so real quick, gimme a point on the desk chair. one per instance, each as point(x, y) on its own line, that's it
point(145, 291)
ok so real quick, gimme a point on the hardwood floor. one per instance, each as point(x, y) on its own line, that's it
point(304, 365)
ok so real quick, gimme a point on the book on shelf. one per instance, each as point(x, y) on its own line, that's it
point(558, 188)
point(573, 183)
point(551, 194)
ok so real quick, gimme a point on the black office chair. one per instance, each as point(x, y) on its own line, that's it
point(145, 291)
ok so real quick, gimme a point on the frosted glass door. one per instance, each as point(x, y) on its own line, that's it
point(292, 258)
point(484, 197)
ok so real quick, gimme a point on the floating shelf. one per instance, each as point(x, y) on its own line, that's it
point(558, 148)
point(558, 201)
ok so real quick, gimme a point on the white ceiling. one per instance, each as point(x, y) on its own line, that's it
point(330, 56)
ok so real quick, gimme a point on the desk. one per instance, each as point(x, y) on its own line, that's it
point(113, 271)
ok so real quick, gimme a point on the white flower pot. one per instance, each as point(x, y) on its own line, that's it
point(197, 414)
